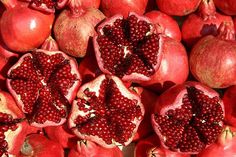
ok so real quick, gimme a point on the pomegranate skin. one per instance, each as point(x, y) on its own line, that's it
point(164, 24)
point(227, 6)
point(72, 31)
point(213, 61)
point(24, 29)
point(169, 72)
point(203, 23)
point(123, 7)
point(178, 8)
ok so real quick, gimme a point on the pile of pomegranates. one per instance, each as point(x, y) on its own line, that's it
point(117, 78)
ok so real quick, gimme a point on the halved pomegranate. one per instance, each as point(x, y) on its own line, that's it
point(128, 47)
point(106, 112)
point(12, 127)
point(188, 117)
point(44, 83)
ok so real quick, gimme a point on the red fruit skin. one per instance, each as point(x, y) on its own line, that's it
point(164, 24)
point(225, 146)
point(234, 19)
point(77, 28)
point(62, 135)
point(148, 98)
point(205, 22)
point(32, 27)
point(178, 8)
point(229, 100)
point(90, 149)
point(37, 145)
point(151, 146)
point(90, 3)
point(227, 6)
point(123, 7)
point(169, 73)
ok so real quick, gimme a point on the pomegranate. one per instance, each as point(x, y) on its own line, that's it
point(178, 8)
point(123, 7)
point(213, 58)
point(151, 147)
point(188, 117)
point(75, 26)
point(229, 100)
point(205, 22)
point(169, 73)
point(91, 149)
point(90, 3)
point(227, 6)
point(106, 112)
point(62, 135)
point(12, 129)
point(32, 26)
point(225, 145)
point(128, 47)
point(44, 83)
point(38, 145)
point(164, 24)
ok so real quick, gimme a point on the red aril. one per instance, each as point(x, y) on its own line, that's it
point(164, 24)
point(205, 22)
point(178, 8)
point(174, 68)
point(44, 84)
point(62, 135)
point(229, 100)
point(151, 147)
point(123, 7)
point(188, 117)
point(90, 149)
point(213, 58)
point(227, 6)
point(22, 28)
point(37, 145)
point(128, 47)
point(75, 26)
point(12, 127)
point(225, 145)
point(106, 112)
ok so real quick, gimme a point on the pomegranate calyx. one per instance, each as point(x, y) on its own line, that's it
point(226, 135)
point(207, 9)
point(225, 31)
point(76, 8)
point(27, 149)
point(50, 44)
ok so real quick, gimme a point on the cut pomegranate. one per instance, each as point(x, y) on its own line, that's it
point(128, 48)
point(37, 145)
point(44, 83)
point(178, 8)
point(225, 145)
point(213, 58)
point(151, 147)
point(229, 100)
point(123, 7)
point(164, 24)
point(169, 73)
point(12, 129)
point(203, 23)
point(91, 149)
point(22, 28)
point(227, 6)
point(106, 112)
point(188, 117)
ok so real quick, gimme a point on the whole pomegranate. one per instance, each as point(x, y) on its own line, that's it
point(22, 28)
point(213, 58)
point(188, 117)
point(164, 24)
point(227, 6)
point(75, 26)
point(123, 7)
point(178, 7)
point(205, 22)
point(106, 112)
point(225, 145)
point(44, 84)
